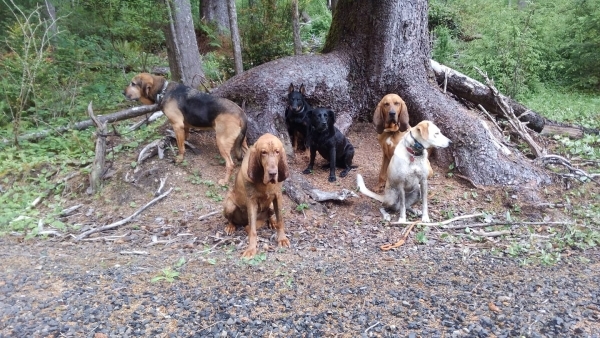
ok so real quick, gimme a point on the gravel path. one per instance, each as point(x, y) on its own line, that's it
point(53, 289)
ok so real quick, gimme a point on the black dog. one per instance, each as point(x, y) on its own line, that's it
point(295, 117)
point(329, 141)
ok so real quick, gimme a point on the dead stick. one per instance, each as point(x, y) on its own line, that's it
point(492, 233)
point(208, 215)
point(123, 221)
point(387, 247)
point(439, 223)
point(475, 225)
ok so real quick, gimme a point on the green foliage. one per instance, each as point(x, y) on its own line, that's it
point(265, 30)
point(580, 43)
point(169, 274)
point(551, 42)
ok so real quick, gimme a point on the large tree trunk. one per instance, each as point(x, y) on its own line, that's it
point(215, 12)
point(184, 56)
point(374, 48)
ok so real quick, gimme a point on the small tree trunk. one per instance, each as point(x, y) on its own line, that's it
point(50, 12)
point(184, 57)
point(215, 12)
point(98, 166)
point(296, 28)
point(235, 37)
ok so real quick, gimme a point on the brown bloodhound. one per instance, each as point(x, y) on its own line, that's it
point(256, 194)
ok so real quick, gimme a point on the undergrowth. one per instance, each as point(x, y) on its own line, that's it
point(36, 176)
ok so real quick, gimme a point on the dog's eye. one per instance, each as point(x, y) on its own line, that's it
point(133, 84)
point(387, 104)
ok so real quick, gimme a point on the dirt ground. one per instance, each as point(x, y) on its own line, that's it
point(334, 280)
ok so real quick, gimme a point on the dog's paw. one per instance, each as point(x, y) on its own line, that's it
point(179, 159)
point(415, 212)
point(425, 218)
point(332, 178)
point(283, 242)
point(307, 171)
point(230, 229)
point(344, 172)
point(386, 216)
point(249, 252)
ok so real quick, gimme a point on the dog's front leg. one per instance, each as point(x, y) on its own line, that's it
point(251, 230)
point(425, 217)
point(402, 204)
point(332, 159)
point(282, 240)
point(311, 162)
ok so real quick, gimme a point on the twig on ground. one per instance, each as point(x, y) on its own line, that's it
point(492, 233)
point(372, 326)
point(133, 252)
point(70, 210)
point(448, 221)
point(106, 238)
point(162, 185)
point(387, 247)
point(123, 221)
point(556, 159)
point(475, 225)
point(208, 215)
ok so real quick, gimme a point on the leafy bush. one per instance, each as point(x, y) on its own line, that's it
point(266, 31)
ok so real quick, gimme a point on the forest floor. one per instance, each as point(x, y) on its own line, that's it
point(173, 272)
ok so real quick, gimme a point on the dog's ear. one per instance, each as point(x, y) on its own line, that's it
point(302, 90)
point(403, 118)
point(378, 118)
point(291, 88)
point(423, 129)
point(282, 167)
point(331, 121)
point(255, 169)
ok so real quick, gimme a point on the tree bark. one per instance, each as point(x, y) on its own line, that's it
point(217, 13)
point(476, 92)
point(184, 56)
point(296, 28)
point(374, 48)
point(97, 171)
point(235, 37)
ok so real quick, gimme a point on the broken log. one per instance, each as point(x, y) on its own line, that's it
point(118, 116)
point(474, 91)
point(97, 171)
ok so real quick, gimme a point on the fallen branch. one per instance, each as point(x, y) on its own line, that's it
point(155, 116)
point(448, 221)
point(387, 247)
point(492, 233)
point(123, 221)
point(476, 225)
point(162, 185)
point(97, 171)
point(474, 91)
point(208, 215)
point(556, 159)
point(133, 252)
point(509, 113)
point(110, 118)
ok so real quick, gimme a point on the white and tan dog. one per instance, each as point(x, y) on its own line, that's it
point(408, 170)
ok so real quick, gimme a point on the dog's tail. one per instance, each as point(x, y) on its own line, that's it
point(363, 188)
point(240, 146)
